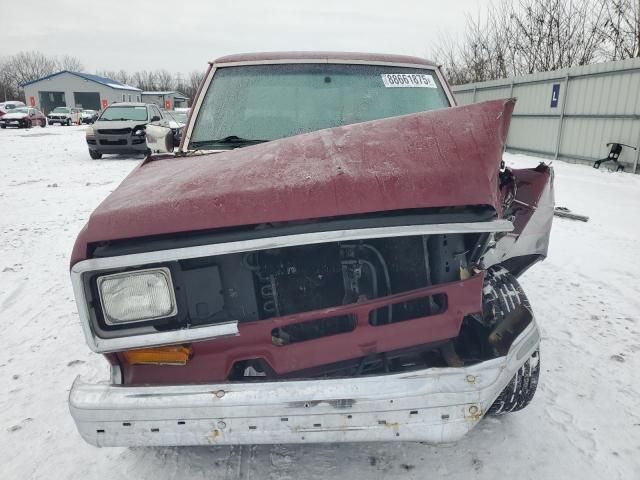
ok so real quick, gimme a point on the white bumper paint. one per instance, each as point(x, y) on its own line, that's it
point(435, 405)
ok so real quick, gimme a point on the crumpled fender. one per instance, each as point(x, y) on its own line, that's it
point(529, 199)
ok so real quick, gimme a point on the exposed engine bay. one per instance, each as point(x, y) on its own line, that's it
point(293, 292)
point(301, 279)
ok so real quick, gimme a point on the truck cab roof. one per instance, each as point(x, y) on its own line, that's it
point(322, 57)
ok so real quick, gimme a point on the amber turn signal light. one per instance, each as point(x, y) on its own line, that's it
point(173, 355)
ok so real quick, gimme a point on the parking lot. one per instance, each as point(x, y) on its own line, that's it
point(584, 421)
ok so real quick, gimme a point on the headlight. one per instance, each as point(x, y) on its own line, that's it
point(137, 296)
point(139, 132)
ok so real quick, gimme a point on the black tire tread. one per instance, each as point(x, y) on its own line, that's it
point(520, 390)
point(502, 293)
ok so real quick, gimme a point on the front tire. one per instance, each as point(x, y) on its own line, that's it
point(95, 155)
point(43, 123)
point(68, 124)
point(521, 389)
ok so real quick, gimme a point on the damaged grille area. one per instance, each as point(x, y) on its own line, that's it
point(114, 131)
point(281, 282)
point(322, 310)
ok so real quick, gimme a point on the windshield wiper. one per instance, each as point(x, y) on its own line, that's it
point(233, 140)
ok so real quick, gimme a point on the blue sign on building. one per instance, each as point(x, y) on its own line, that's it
point(555, 94)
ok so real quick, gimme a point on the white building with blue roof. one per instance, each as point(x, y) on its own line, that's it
point(77, 89)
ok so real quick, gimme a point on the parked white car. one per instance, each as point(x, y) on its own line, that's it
point(6, 107)
point(64, 116)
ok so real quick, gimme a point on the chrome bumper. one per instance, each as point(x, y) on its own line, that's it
point(435, 405)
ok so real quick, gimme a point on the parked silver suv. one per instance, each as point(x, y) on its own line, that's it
point(64, 116)
point(121, 129)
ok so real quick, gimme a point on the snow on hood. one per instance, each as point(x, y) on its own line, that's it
point(441, 158)
point(14, 115)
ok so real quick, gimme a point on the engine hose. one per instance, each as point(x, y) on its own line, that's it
point(385, 270)
point(374, 281)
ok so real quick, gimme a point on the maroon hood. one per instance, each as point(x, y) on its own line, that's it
point(447, 157)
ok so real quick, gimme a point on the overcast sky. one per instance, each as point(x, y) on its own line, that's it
point(181, 36)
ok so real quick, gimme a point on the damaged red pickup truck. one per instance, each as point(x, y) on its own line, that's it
point(331, 255)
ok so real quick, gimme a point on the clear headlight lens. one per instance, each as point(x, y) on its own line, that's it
point(137, 296)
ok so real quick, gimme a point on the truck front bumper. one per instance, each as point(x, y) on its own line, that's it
point(435, 405)
point(116, 144)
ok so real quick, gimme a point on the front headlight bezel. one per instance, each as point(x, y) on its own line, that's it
point(110, 321)
point(103, 329)
point(103, 338)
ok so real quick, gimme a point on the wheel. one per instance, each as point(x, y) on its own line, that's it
point(68, 124)
point(3, 126)
point(43, 123)
point(503, 296)
point(95, 155)
point(521, 389)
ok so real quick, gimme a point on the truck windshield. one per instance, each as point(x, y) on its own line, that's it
point(124, 113)
point(266, 102)
point(60, 110)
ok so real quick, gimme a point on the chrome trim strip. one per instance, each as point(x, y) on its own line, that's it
point(289, 241)
point(104, 345)
point(115, 375)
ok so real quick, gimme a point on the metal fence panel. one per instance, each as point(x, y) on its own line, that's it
point(544, 140)
point(571, 113)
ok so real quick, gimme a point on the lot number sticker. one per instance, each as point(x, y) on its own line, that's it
point(400, 80)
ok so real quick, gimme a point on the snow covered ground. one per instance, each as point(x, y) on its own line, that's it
point(583, 423)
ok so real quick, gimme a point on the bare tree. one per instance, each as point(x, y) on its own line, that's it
point(121, 76)
point(193, 83)
point(621, 29)
point(8, 90)
point(27, 66)
point(24, 67)
point(164, 80)
point(157, 80)
point(525, 36)
point(145, 80)
point(70, 63)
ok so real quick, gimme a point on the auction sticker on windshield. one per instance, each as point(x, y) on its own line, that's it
point(419, 80)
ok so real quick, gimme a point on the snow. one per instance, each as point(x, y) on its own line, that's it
point(583, 423)
point(122, 86)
